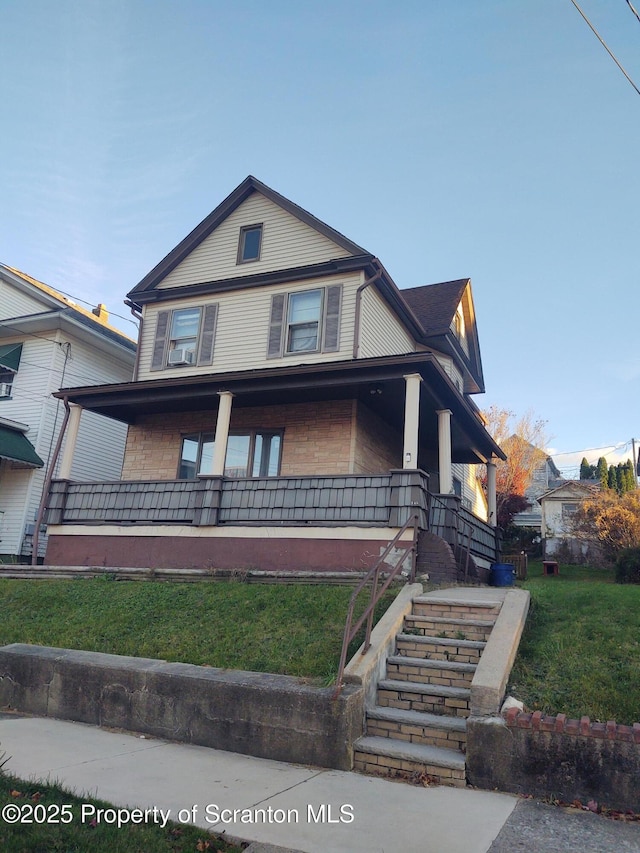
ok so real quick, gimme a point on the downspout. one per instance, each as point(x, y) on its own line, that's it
point(136, 313)
point(356, 329)
point(44, 498)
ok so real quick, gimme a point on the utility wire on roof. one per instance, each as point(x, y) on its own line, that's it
point(602, 42)
point(630, 5)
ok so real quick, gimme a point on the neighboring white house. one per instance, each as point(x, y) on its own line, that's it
point(558, 507)
point(48, 342)
point(546, 476)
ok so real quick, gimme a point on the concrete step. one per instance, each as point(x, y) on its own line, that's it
point(417, 727)
point(446, 673)
point(381, 756)
point(439, 648)
point(459, 608)
point(443, 626)
point(429, 698)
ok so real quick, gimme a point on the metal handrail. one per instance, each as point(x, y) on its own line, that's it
point(351, 630)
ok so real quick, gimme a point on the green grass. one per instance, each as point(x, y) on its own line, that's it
point(287, 629)
point(80, 836)
point(580, 652)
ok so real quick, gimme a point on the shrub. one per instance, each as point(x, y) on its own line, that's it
point(628, 566)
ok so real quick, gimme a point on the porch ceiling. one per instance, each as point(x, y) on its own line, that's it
point(377, 382)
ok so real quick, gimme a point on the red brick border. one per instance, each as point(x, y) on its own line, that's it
point(558, 723)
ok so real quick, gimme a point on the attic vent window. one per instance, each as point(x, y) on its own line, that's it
point(250, 243)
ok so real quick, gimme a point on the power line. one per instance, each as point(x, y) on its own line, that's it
point(602, 42)
point(630, 5)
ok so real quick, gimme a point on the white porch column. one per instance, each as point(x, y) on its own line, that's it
point(64, 472)
point(491, 494)
point(444, 451)
point(222, 433)
point(411, 420)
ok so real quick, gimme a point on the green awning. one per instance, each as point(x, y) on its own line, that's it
point(10, 356)
point(16, 448)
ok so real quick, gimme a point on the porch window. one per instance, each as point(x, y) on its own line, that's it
point(249, 454)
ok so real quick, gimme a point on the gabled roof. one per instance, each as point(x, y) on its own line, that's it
point(435, 306)
point(225, 209)
point(579, 489)
point(62, 305)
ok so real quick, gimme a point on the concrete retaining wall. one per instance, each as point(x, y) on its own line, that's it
point(269, 716)
point(552, 756)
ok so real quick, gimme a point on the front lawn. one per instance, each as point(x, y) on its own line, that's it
point(580, 652)
point(46, 826)
point(289, 629)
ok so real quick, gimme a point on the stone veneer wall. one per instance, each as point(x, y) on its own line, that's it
point(377, 446)
point(317, 438)
point(334, 437)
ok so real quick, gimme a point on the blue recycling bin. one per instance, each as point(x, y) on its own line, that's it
point(502, 574)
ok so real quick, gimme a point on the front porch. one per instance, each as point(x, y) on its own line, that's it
point(342, 455)
point(321, 523)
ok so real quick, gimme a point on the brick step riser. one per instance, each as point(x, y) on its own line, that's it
point(409, 701)
point(434, 651)
point(381, 765)
point(428, 675)
point(455, 611)
point(427, 735)
point(450, 631)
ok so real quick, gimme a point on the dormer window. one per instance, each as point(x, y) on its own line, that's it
point(250, 243)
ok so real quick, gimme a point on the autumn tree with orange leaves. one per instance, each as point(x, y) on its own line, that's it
point(523, 440)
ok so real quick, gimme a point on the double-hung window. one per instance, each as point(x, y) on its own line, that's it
point(184, 336)
point(251, 453)
point(305, 321)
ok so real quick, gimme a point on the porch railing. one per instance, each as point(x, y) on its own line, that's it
point(467, 535)
point(383, 500)
point(373, 578)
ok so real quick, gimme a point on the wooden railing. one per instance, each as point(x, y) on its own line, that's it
point(373, 577)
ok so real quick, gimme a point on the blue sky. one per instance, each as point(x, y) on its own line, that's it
point(495, 140)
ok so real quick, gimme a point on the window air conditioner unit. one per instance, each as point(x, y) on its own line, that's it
point(181, 356)
point(5, 389)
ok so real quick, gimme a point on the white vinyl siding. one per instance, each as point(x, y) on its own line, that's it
point(286, 242)
point(471, 490)
point(101, 441)
point(451, 370)
point(15, 303)
point(381, 332)
point(243, 329)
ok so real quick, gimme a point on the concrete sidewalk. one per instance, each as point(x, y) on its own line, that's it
point(128, 770)
point(302, 808)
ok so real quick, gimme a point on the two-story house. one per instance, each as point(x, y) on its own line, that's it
point(290, 408)
point(47, 341)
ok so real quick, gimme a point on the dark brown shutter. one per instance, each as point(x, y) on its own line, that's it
point(331, 325)
point(160, 342)
point(276, 325)
point(208, 334)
